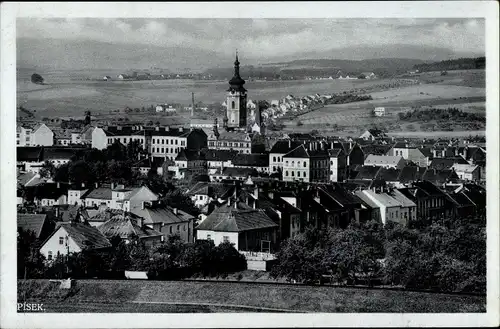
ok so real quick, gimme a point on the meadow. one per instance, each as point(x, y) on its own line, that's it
point(64, 94)
point(178, 296)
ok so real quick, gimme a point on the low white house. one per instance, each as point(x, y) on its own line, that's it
point(73, 238)
point(467, 171)
point(386, 161)
point(379, 111)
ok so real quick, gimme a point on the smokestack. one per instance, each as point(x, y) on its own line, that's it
point(192, 101)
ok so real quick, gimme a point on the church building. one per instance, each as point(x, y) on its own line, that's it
point(236, 112)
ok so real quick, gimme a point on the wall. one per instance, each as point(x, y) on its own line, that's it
point(43, 136)
point(296, 166)
point(74, 196)
point(53, 244)
point(99, 139)
point(218, 237)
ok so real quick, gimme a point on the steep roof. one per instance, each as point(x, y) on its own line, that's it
point(367, 172)
point(428, 188)
point(29, 153)
point(467, 168)
point(384, 198)
point(232, 136)
point(402, 199)
point(410, 174)
point(31, 222)
point(86, 236)
point(382, 159)
point(389, 174)
point(189, 155)
point(252, 160)
point(284, 146)
point(126, 224)
point(24, 178)
point(161, 214)
point(104, 193)
point(220, 155)
point(366, 199)
point(298, 152)
point(335, 152)
point(227, 219)
point(446, 163)
point(238, 172)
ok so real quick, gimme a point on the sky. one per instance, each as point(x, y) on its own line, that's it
point(263, 38)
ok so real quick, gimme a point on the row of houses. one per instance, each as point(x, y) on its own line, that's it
point(39, 134)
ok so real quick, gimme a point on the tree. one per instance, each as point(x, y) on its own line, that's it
point(300, 258)
point(30, 263)
point(361, 76)
point(62, 173)
point(48, 170)
point(87, 118)
point(80, 172)
point(37, 78)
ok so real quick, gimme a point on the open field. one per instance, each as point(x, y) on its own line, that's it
point(170, 296)
point(63, 95)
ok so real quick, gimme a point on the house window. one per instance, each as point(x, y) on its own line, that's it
point(61, 240)
point(176, 142)
point(201, 197)
point(286, 173)
point(49, 255)
point(163, 141)
point(184, 227)
point(209, 237)
point(233, 105)
point(293, 173)
point(225, 238)
point(305, 164)
point(170, 229)
point(178, 228)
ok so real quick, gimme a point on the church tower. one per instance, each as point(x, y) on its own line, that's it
point(236, 112)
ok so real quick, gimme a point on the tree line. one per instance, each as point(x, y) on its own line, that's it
point(453, 64)
point(172, 259)
point(447, 256)
point(449, 114)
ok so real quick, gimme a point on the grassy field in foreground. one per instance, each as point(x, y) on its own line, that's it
point(167, 296)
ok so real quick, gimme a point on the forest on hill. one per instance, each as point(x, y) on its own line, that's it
point(453, 64)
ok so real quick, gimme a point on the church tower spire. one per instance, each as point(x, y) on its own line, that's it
point(236, 112)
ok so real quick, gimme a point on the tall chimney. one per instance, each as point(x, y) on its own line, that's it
point(192, 102)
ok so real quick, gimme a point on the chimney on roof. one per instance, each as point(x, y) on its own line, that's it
point(58, 185)
point(142, 205)
point(289, 143)
point(83, 184)
point(192, 105)
point(167, 128)
point(112, 185)
point(96, 184)
point(157, 128)
point(175, 211)
point(118, 127)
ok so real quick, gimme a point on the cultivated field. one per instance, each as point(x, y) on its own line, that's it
point(64, 95)
point(169, 296)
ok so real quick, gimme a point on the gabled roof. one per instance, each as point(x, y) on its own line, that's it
point(368, 202)
point(335, 152)
point(62, 133)
point(439, 176)
point(52, 153)
point(85, 236)
point(252, 160)
point(367, 172)
point(31, 222)
point(460, 199)
point(411, 173)
point(298, 152)
point(220, 155)
point(228, 219)
point(382, 159)
point(383, 198)
point(447, 163)
point(389, 174)
point(232, 136)
point(189, 155)
point(284, 146)
point(161, 214)
point(104, 193)
point(428, 188)
point(124, 225)
point(24, 178)
point(239, 172)
point(29, 153)
point(467, 168)
point(51, 191)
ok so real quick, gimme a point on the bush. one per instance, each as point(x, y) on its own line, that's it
point(299, 123)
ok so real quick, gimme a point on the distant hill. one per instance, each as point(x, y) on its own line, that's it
point(383, 67)
point(454, 64)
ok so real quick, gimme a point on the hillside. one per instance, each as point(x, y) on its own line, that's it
point(383, 67)
point(453, 64)
point(175, 296)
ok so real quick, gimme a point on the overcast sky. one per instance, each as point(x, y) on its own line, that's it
point(264, 37)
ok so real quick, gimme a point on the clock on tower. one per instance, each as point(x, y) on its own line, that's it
point(236, 112)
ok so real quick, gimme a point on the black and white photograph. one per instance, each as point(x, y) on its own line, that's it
point(249, 164)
